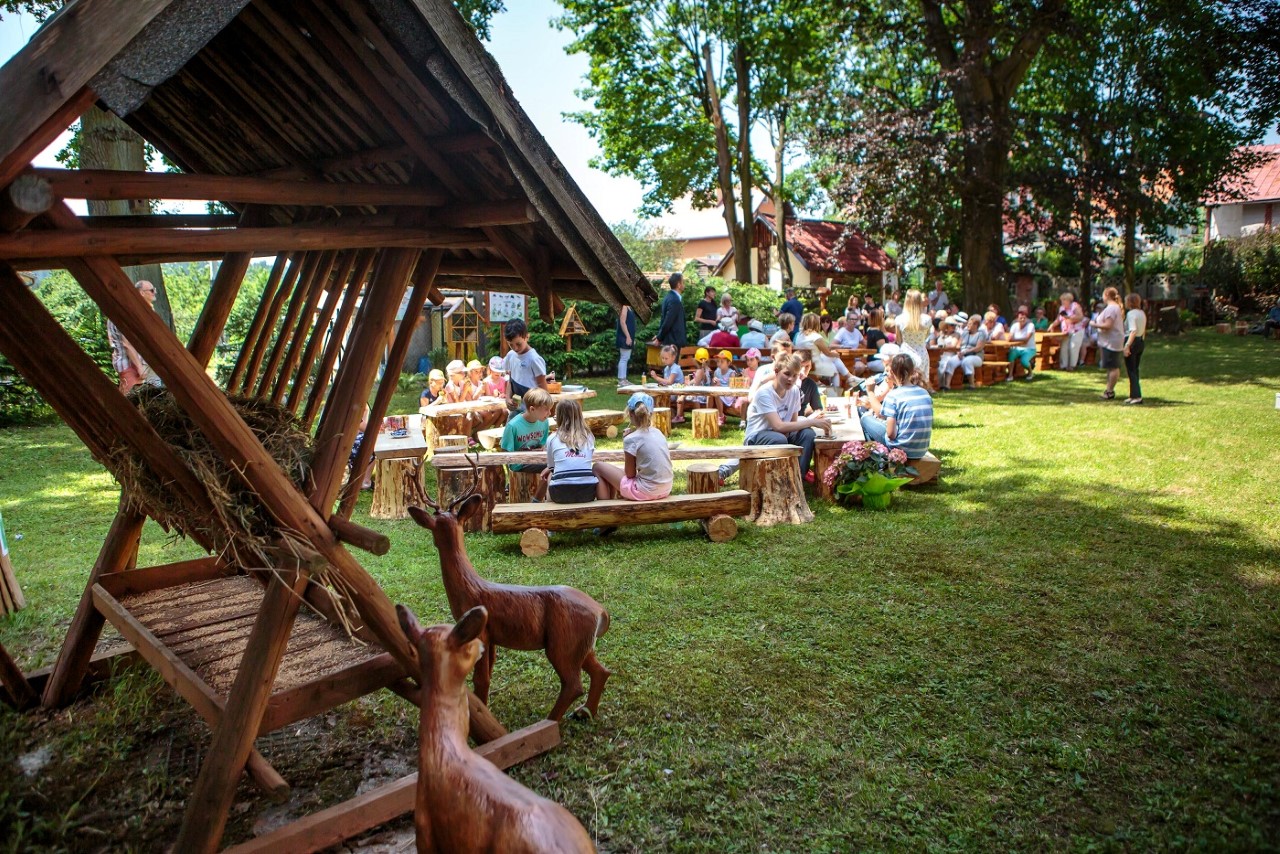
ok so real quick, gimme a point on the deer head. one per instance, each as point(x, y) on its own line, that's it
point(446, 654)
point(444, 524)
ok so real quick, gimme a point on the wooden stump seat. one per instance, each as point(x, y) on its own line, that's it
point(706, 424)
point(928, 469)
point(396, 484)
point(548, 516)
point(662, 419)
point(489, 482)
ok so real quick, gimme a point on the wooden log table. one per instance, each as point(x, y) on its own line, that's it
point(464, 419)
point(844, 428)
point(397, 474)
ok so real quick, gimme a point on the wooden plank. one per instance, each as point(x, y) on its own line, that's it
point(12, 678)
point(210, 801)
point(101, 665)
point(350, 301)
point(297, 263)
point(180, 220)
point(329, 827)
point(259, 322)
point(724, 452)
point(19, 159)
point(330, 691)
point(54, 68)
point(267, 240)
point(510, 518)
point(481, 214)
point(182, 679)
point(160, 577)
point(109, 184)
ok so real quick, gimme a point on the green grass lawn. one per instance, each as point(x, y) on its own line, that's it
point(1072, 642)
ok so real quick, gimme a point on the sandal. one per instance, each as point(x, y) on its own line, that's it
point(1108, 395)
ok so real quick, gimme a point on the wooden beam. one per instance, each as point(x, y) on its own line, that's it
point(359, 536)
point(327, 828)
point(297, 262)
point(261, 241)
point(54, 68)
point(305, 321)
point(424, 278)
point(395, 153)
point(22, 201)
point(24, 696)
point(259, 321)
point(111, 184)
point(307, 282)
point(185, 681)
point(350, 301)
point(233, 735)
point(333, 294)
point(481, 214)
point(130, 581)
point(496, 268)
point(332, 690)
point(179, 220)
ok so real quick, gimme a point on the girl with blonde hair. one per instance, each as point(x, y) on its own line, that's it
point(569, 473)
point(914, 328)
point(646, 474)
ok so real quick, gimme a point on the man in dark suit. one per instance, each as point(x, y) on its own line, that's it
point(671, 328)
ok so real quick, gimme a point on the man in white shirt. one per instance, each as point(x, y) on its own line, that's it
point(848, 336)
point(938, 298)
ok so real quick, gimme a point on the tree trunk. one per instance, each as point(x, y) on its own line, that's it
point(108, 143)
point(743, 73)
point(1130, 248)
point(982, 249)
point(780, 199)
point(738, 235)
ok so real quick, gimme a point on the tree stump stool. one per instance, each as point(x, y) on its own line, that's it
point(534, 542)
point(452, 443)
point(825, 452)
point(662, 419)
point(706, 424)
point(777, 492)
point(522, 486)
point(396, 485)
point(490, 484)
point(703, 478)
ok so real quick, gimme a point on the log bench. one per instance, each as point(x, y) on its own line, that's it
point(601, 422)
point(533, 521)
point(775, 496)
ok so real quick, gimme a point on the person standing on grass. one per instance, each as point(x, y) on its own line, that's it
point(1070, 322)
point(671, 328)
point(704, 317)
point(625, 339)
point(131, 367)
point(1135, 332)
point(905, 418)
point(773, 415)
point(793, 307)
point(1110, 327)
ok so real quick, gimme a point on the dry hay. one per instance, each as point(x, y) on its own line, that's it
point(234, 518)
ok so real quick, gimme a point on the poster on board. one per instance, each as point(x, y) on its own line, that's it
point(504, 307)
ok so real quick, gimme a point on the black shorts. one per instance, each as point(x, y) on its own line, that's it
point(572, 493)
point(1109, 359)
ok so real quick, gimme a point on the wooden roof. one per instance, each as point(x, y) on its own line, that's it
point(383, 92)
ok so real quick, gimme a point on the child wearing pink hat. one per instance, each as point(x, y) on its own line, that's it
point(495, 385)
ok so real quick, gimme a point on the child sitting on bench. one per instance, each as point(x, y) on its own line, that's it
point(527, 431)
point(905, 418)
point(568, 475)
point(647, 474)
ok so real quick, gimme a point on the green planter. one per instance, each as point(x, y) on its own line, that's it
point(877, 502)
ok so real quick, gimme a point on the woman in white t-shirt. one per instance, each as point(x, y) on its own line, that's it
point(647, 473)
point(569, 473)
point(727, 311)
point(824, 364)
point(1135, 333)
point(1022, 335)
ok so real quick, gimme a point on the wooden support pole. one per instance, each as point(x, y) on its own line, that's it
point(222, 297)
point(24, 696)
point(22, 201)
point(424, 278)
point(350, 301)
point(109, 184)
point(359, 536)
point(259, 322)
point(301, 294)
point(233, 736)
point(297, 262)
point(265, 240)
point(332, 293)
point(297, 342)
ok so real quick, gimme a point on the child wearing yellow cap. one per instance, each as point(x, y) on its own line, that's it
point(701, 375)
point(434, 389)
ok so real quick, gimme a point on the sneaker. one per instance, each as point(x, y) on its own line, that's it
point(1029, 375)
point(1009, 378)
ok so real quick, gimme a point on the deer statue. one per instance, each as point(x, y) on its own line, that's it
point(464, 803)
point(563, 621)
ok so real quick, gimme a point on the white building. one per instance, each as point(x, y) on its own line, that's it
point(1258, 204)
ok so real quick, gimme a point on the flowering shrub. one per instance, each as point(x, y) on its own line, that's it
point(868, 469)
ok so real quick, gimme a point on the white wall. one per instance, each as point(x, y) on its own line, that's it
point(1225, 221)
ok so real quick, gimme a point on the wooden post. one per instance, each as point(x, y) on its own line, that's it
point(297, 262)
point(210, 801)
point(259, 321)
point(777, 492)
point(703, 477)
point(350, 300)
point(424, 281)
point(319, 284)
point(23, 200)
point(662, 419)
point(825, 452)
point(706, 424)
point(523, 485)
point(396, 485)
point(490, 484)
point(333, 291)
point(24, 696)
point(301, 293)
point(221, 299)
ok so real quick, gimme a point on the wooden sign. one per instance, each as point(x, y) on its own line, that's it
point(504, 306)
point(572, 324)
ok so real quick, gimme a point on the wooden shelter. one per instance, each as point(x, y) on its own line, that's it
point(372, 147)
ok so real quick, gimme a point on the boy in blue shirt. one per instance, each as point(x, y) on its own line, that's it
point(905, 418)
point(528, 431)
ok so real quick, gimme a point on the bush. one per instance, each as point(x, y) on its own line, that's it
point(1245, 272)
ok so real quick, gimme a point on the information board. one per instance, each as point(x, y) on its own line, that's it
point(504, 307)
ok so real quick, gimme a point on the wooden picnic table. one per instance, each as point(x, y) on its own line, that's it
point(397, 479)
point(845, 428)
point(461, 419)
point(656, 391)
point(585, 394)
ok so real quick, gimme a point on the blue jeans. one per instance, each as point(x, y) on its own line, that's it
point(874, 429)
point(624, 357)
point(802, 438)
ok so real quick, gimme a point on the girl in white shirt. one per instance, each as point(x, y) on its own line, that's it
point(647, 473)
point(1135, 333)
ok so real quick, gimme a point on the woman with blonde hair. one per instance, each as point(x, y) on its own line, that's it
point(812, 339)
point(914, 328)
point(569, 473)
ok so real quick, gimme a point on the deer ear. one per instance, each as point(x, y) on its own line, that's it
point(423, 517)
point(470, 507)
point(470, 626)
point(409, 624)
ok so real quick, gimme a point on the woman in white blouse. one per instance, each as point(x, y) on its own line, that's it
point(1135, 333)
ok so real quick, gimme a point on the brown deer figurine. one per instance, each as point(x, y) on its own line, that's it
point(561, 620)
point(464, 803)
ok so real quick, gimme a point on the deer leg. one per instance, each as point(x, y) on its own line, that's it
point(484, 672)
point(568, 666)
point(599, 675)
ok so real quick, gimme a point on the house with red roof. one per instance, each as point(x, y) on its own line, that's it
point(822, 252)
point(1253, 202)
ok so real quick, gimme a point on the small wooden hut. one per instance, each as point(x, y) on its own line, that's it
point(372, 147)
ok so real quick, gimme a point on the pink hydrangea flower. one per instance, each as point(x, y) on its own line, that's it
point(849, 446)
point(899, 456)
point(881, 449)
point(861, 452)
